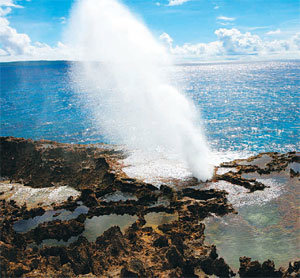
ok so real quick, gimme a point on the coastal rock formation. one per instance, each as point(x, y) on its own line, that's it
point(44, 163)
point(249, 268)
point(174, 246)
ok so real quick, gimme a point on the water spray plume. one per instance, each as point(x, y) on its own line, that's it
point(124, 80)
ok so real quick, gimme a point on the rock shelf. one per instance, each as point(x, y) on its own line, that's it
point(175, 247)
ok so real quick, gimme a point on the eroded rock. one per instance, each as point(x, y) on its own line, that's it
point(173, 249)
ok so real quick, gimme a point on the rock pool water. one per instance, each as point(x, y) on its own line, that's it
point(97, 225)
point(94, 226)
point(23, 226)
point(155, 219)
point(260, 162)
point(267, 225)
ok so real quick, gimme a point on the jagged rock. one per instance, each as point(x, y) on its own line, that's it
point(175, 249)
point(112, 241)
point(125, 273)
point(250, 268)
point(79, 255)
point(46, 163)
point(17, 270)
point(56, 229)
point(174, 257)
point(293, 270)
point(161, 242)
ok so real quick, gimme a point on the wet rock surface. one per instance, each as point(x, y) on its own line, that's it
point(175, 248)
point(251, 268)
point(262, 164)
point(45, 163)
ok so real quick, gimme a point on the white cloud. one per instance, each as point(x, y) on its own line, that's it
point(5, 11)
point(11, 41)
point(9, 3)
point(63, 20)
point(225, 18)
point(275, 32)
point(192, 50)
point(2, 52)
point(6, 5)
point(257, 28)
point(225, 23)
point(166, 39)
point(216, 7)
point(176, 2)
point(296, 40)
point(17, 46)
point(232, 44)
point(201, 50)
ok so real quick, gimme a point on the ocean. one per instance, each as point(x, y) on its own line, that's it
point(246, 107)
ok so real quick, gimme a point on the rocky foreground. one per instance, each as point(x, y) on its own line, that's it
point(93, 177)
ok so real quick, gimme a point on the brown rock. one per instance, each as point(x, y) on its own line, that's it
point(162, 241)
point(174, 257)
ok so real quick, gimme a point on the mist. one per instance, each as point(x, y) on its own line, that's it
point(124, 80)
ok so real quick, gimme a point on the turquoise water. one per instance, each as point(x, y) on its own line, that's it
point(267, 224)
point(245, 106)
point(262, 231)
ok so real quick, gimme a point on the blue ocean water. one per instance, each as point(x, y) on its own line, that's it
point(250, 107)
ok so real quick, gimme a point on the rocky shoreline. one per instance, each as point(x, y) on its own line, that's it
point(96, 182)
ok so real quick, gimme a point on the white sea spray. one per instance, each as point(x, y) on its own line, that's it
point(123, 79)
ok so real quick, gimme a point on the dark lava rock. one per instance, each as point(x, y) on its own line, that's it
point(18, 269)
point(46, 163)
point(293, 270)
point(250, 268)
point(174, 257)
point(138, 267)
point(112, 241)
point(203, 194)
point(162, 241)
point(221, 269)
point(79, 255)
point(88, 197)
point(166, 190)
point(8, 250)
point(173, 249)
point(56, 229)
point(236, 178)
point(216, 267)
point(125, 273)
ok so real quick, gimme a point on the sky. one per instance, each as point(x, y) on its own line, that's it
point(204, 30)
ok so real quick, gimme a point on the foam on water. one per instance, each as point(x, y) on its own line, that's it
point(222, 171)
point(35, 197)
point(240, 196)
point(156, 167)
point(295, 167)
